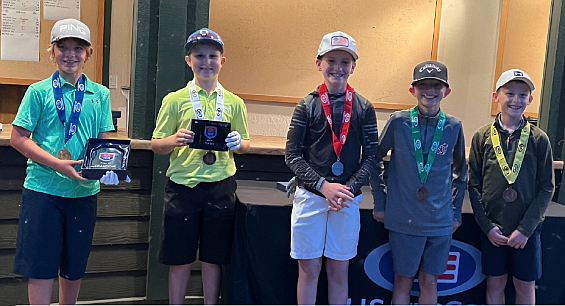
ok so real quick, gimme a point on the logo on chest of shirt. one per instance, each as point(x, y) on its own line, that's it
point(441, 150)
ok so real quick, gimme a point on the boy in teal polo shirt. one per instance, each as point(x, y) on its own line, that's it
point(200, 194)
point(58, 209)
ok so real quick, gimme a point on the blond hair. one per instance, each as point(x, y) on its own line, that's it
point(82, 43)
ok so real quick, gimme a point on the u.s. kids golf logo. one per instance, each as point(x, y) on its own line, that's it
point(463, 270)
point(106, 156)
point(210, 131)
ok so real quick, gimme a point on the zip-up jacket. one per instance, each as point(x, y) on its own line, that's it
point(446, 182)
point(534, 183)
point(309, 145)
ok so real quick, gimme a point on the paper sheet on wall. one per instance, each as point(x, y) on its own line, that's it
point(20, 30)
point(61, 9)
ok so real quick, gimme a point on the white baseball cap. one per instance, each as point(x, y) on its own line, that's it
point(338, 41)
point(70, 28)
point(514, 75)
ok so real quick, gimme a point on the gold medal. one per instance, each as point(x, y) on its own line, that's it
point(64, 154)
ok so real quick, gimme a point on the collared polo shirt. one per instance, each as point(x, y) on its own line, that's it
point(37, 113)
point(186, 164)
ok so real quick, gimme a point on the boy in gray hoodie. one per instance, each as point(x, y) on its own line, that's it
point(426, 182)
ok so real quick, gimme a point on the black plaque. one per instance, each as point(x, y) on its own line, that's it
point(210, 135)
point(104, 155)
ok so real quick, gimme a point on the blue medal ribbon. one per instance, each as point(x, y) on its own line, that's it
point(71, 128)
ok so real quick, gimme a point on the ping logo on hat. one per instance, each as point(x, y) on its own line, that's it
point(341, 41)
point(518, 73)
point(70, 28)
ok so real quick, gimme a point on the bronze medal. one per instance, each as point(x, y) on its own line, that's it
point(209, 158)
point(509, 195)
point(422, 194)
point(64, 154)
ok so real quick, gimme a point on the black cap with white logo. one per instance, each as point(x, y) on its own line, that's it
point(430, 70)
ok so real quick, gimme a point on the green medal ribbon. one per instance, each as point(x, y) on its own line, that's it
point(424, 170)
point(510, 173)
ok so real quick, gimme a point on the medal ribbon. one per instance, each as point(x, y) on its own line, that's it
point(195, 98)
point(346, 116)
point(424, 170)
point(510, 174)
point(71, 128)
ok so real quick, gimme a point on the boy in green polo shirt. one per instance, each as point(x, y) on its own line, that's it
point(200, 194)
point(510, 186)
point(58, 209)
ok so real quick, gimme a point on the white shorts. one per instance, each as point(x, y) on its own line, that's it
point(316, 230)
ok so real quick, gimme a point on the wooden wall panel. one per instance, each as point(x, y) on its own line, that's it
point(522, 43)
point(271, 46)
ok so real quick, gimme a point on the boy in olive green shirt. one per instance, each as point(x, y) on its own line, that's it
point(510, 186)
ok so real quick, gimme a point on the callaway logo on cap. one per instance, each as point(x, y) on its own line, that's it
point(430, 70)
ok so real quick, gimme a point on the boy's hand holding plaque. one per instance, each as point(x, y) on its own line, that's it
point(104, 156)
point(233, 141)
point(210, 135)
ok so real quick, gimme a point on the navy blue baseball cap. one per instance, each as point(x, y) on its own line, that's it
point(201, 36)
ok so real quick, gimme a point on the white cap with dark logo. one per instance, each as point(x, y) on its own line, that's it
point(70, 28)
point(430, 70)
point(338, 41)
point(514, 75)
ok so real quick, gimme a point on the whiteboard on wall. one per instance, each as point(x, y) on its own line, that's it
point(22, 72)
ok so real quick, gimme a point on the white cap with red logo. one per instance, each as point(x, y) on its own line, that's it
point(338, 41)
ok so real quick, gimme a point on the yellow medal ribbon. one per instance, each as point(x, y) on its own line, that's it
point(510, 173)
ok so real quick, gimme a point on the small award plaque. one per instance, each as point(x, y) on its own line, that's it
point(104, 155)
point(210, 135)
